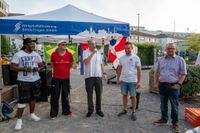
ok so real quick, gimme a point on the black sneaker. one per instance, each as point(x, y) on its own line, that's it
point(122, 113)
point(133, 117)
point(100, 113)
point(67, 113)
point(89, 114)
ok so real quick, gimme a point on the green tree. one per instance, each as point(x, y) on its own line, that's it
point(194, 43)
point(4, 45)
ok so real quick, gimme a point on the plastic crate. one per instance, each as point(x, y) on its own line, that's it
point(192, 115)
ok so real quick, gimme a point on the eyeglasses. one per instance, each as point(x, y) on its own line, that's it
point(63, 44)
point(171, 48)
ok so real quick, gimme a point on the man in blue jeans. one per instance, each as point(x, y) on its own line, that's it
point(128, 75)
point(170, 72)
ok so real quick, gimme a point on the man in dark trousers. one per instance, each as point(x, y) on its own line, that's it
point(61, 61)
point(94, 71)
point(169, 75)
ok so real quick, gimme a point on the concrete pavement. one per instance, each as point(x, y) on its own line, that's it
point(110, 123)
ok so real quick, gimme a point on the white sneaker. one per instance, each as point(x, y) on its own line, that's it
point(34, 117)
point(18, 125)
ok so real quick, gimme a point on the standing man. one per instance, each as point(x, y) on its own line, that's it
point(129, 75)
point(61, 60)
point(169, 75)
point(94, 71)
point(27, 63)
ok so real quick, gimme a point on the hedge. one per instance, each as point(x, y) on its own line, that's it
point(146, 53)
point(192, 83)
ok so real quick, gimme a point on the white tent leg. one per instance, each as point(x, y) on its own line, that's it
point(1, 83)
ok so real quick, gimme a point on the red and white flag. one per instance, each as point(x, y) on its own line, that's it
point(116, 50)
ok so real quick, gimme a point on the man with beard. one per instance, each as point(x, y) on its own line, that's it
point(27, 63)
point(128, 76)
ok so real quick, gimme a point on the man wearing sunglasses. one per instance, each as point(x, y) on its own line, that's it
point(61, 61)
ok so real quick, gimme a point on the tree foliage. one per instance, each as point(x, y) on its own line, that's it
point(4, 45)
point(192, 83)
point(194, 43)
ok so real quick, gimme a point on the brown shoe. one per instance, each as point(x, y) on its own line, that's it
point(160, 122)
point(175, 128)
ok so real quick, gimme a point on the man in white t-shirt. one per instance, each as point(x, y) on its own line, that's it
point(94, 71)
point(128, 76)
point(27, 63)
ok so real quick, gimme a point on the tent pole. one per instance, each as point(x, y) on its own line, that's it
point(1, 78)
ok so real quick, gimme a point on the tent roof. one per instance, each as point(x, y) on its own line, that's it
point(67, 13)
point(68, 20)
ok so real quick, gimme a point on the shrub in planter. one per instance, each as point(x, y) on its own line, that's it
point(146, 52)
point(192, 83)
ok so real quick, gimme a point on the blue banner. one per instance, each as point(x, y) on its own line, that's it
point(41, 27)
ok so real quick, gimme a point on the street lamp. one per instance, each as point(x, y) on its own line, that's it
point(138, 27)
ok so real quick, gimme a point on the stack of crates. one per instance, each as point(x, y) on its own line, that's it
point(192, 115)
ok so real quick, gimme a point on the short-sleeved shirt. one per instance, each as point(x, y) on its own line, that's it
point(170, 68)
point(129, 67)
point(93, 69)
point(24, 59)
point(61, 64)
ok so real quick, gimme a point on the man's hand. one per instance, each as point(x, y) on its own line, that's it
point(137, 85)
point(35, 69)
point(74, 66)
point(155, 85)
point(105, 77)
point(176, 86)
point(29, 69)
point(117, 82)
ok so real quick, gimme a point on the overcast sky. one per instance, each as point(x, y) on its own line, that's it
point(154, 14)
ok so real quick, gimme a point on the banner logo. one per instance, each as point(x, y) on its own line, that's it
point(17, 26)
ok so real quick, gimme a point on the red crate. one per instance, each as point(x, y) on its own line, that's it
point(192, 115)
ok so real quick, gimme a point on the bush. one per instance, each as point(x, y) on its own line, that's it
point(192, 83)
point(146, 53)
point(4, 45)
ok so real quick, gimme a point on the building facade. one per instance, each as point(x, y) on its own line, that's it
point(4, 8)
point(161, 38)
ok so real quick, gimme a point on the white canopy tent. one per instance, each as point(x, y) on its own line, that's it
point(66, 21)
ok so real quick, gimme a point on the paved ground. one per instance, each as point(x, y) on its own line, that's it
point(78, 123)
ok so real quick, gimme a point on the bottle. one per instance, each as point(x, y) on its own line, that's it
point(25, 72)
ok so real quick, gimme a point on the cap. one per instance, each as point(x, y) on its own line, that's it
point(61, 41)
point(26, 41)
